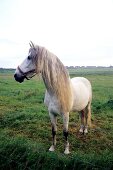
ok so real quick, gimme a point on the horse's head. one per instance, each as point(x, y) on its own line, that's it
point(28, 67)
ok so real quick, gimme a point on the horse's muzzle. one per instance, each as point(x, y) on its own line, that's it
point(18, 78)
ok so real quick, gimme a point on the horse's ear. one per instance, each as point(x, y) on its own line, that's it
point(31, 44)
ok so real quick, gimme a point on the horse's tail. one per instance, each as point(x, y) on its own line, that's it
point(89, 106)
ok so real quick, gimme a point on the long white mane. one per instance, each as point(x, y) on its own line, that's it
point(55, 76)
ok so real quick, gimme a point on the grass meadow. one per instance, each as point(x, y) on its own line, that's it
point(25, 129)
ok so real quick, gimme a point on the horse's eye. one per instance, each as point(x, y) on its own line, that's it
point(29, 57)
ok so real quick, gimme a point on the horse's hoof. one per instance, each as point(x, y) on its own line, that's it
point(66, 152)
point(52, 149)
point(81, 130)
point(85, 131)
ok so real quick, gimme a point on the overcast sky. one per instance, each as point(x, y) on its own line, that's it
point(79, 32)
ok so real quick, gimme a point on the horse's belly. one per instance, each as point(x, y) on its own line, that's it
point(79, 102)
point(81, 93)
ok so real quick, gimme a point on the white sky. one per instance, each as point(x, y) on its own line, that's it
point(79, 32)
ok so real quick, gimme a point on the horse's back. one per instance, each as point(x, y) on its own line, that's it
point(79, 80)
point(82, 92)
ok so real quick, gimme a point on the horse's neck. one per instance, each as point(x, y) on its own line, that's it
point(57, 81)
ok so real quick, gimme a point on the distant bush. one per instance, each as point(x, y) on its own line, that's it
point(5, 70)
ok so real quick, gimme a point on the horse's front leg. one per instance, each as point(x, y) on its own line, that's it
point(65, 131)
point(54, 129)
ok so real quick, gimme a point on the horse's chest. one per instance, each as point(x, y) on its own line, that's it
point(52, 103)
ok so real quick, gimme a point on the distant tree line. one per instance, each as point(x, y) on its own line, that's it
point(68, 67)
point(3, 70)
point(74, 67)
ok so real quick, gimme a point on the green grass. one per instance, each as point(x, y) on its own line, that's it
point(25, 129)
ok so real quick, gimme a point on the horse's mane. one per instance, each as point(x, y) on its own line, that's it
point(55, 76)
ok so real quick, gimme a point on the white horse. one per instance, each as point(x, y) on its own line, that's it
point(62, 93)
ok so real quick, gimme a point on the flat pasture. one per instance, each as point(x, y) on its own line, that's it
point(25, 129)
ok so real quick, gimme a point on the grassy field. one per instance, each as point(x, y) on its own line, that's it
point(25, 129)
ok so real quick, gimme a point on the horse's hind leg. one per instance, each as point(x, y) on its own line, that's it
point(87, 117)
point(82, 116)
point(54, 129)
